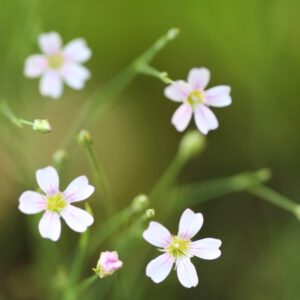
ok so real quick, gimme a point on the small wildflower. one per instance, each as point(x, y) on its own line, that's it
point(108, 263)
point(57, 65)
point(195, 99)
point(179, 249)
point(56, 204)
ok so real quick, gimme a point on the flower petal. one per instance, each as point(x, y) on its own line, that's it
point(48, 180)
point(205, 119)
point(186, 272)
point(78, 190)
point(75, 75)
point(182, 117)
point(159, 268)
point(199, 78)
point(157, 235)
point(218, 96)
point(50, 226)
point(51, 85)
point(190, 224)
point(35, 65)
point(77, 51)
point(206, 248)
point(32, 202)
point(178, 90)
point(50, 43)
point(76, 218)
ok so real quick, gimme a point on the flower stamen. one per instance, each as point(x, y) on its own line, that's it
point(55, 61)
point(56, 203)
point(178, 247)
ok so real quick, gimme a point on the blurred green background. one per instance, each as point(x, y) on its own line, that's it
point(252, 46)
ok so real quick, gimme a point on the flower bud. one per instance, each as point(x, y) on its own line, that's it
point(191, 144)
point(42, 126)
point(108, 263)
point(84, 138)
point(59, 157)
point(140, 203)
point(150, 213)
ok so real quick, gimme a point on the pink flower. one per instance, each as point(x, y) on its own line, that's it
point(57, 65)
point(195, 99)
point(179, 249)
point(108, 263)
point(56, 204)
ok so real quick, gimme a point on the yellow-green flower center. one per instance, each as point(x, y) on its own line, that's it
point(195, 97)
point(178, 247)
point(55, 61)
point(56, 203)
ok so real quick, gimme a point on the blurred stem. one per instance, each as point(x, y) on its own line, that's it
point(195, 193)
point(103, 231)
point(8, 113)
point(101, 181)
point(103, 100)
point(150, 71)
point(75, 292)
point(273, 197)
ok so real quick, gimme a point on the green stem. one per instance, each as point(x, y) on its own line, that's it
point(79, 257)
point(104, 231)
point(104, 99)
point(150, 71)
point(101, 182)
point(273, 197)
point(78, 290)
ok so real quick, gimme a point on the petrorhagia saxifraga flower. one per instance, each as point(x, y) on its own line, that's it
point(195, 99)
point(108, 263)
point(179, 249)
point(57, 65)
point(56, 204)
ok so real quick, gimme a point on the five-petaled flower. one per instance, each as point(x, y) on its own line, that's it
point(179, 249)
point(195, 99)
point(108, 263)
point(56, 204)
point(57, 65)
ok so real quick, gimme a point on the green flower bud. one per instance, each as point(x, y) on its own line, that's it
point(191, 144)
point(140, 203)
point(150, 213)
point(84, 138)
point(59, 157)
point(42, 126)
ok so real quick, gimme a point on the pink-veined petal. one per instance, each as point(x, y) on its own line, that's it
point(32, 202)
point(76, 218)
point(218, 96)
point(159, 268)
point(50, 226)
point(77, 51)
point(48, 180)
point(50, 43)
point(35, 66)
point(78, 190)
point(51, 84)
point(182, 117)
point(178, 91)
point(199, 78)
point(157, 235)
point(75, 75)
point(206, 248)
point(205, 119)
point(186, 272)
point(190, 224)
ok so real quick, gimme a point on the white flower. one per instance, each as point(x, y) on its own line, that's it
point(195, 99)
point(57, 65)
point(108, 263)
point(56, 204)
point(179, 249)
